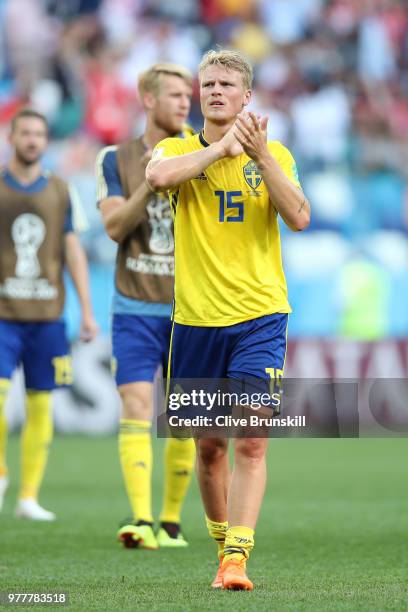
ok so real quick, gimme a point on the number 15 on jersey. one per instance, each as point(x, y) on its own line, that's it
point(227, 200)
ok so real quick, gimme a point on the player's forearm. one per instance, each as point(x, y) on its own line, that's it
point(167, 173)
point(122, 219)
point(78, 269)
point(289, 201)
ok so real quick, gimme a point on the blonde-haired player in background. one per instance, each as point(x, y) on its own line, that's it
point(140, 222)
point(227, 187)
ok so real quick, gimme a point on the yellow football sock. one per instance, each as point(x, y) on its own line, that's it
point(135, 452)
point(4, 389)
point(35, 441)
point(239, 542)
point(179, 458)
point(217, 531)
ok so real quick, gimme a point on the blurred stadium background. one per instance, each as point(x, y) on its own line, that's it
point(332, 76)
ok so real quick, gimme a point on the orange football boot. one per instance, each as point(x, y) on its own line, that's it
point(217, 582)
point(234, 577)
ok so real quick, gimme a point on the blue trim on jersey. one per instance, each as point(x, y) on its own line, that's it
point(203, 140)
point(39, 184)
point(36, 186)
point(128, 306)
point(111, 174)
point(68, 224)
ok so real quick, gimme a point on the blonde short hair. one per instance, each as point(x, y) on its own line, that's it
point(150, 80)
point(231, 60)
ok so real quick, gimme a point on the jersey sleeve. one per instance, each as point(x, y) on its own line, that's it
point(286, 161)
point(107, 174)
point(169, 147)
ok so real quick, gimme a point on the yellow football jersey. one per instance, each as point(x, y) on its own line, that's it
point(228, 265)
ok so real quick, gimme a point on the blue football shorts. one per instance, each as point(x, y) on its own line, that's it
point(140, 344)
point(246, 357)
point(42, 350)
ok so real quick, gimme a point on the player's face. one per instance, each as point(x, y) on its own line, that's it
point(222, 94)
point(172, 105)
point(29, 139)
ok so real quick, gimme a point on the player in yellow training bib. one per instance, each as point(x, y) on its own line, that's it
point(227, 186)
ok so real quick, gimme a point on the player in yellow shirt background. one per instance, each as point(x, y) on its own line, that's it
point(227, 186)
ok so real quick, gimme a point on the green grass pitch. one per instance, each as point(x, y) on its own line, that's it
point(333, 533)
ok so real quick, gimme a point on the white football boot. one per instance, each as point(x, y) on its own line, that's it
point(29, 508)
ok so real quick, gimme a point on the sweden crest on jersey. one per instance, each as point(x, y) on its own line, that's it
point(252, 175)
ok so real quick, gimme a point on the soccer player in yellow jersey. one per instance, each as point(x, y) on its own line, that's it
point(227, 186)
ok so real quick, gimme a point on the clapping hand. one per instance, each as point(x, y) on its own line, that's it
point(251, 132)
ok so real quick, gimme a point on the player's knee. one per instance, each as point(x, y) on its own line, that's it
point(250, 449)
point(210, 450)
point(136, 403)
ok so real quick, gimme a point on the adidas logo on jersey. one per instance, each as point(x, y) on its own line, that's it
point(200, 177)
